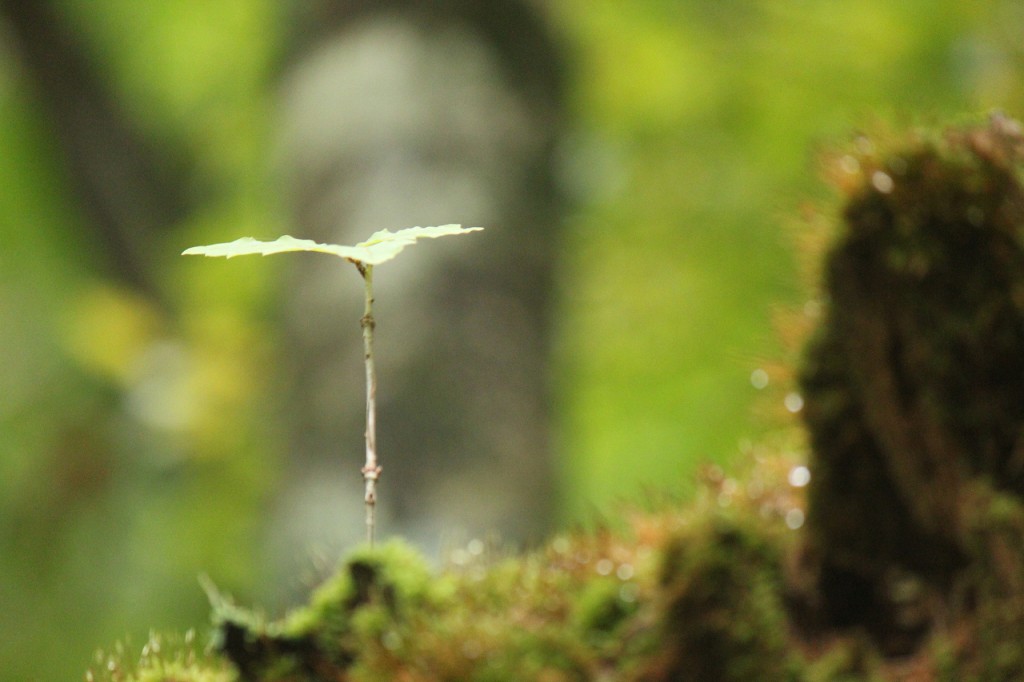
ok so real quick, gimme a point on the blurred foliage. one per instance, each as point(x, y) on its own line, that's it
point(137, 440)
point(134, 444)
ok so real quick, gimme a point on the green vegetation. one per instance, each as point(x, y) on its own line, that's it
point(905, 395)
point(140, 439)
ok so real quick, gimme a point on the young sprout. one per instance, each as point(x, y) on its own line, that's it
point(382, 246)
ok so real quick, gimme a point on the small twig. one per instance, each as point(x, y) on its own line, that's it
point(371, 470)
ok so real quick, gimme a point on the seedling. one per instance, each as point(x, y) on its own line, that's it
point(382, 246)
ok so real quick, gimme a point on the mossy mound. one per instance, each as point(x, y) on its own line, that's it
point(606, 605)
point(667, 595)
point(910, 565)
point(914, 383)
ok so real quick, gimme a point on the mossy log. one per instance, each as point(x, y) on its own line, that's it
point(910, 565)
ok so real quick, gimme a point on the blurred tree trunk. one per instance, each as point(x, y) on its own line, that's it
point(129, 187)
point(399, 113)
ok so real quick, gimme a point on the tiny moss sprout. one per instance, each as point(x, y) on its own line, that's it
point(381, 246)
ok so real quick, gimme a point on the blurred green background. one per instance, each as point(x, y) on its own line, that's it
point(139, 434)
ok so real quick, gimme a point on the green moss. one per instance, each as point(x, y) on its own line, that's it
point(676, 594)
point(393, 576)
point(991, 590)
point(365, 604)
point(601, 608)
point(723, 617)
point(914, 384)
point(163, 659)
point(847, 659)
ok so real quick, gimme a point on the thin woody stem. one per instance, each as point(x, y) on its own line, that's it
point(371, 470)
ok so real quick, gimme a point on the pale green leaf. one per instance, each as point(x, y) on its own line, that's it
point(380, 247)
